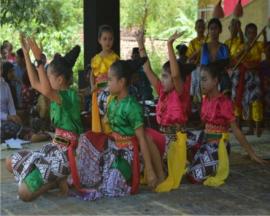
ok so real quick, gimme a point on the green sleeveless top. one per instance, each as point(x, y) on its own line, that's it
point(125, 115)
point(67, 114)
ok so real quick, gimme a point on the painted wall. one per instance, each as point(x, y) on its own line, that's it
point(256, 11)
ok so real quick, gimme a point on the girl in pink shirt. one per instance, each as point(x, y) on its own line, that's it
point(209, 162)
point(174, 100)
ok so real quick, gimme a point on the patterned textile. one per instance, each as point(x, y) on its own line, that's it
point(235, 80)
point(252, 92)
point(194, 140)
point(10, 129)
point(29, 97)
point(51, 160)
point(95, 167)
point(103, 95)
point(54, 160)
point(205, 160)
point(246, 91)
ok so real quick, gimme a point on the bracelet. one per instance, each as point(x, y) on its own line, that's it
point(39, 62)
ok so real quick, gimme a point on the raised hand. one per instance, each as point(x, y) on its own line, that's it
point(139, 35)
point(24, 43)
point(37, 51)
point(175, 36)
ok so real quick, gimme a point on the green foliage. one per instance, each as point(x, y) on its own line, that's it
point(38, 15)
point(160, 19)
point(163, 18)
point(56, 24)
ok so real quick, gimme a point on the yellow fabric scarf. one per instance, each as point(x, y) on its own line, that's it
point(177, 156)
point(223, 165)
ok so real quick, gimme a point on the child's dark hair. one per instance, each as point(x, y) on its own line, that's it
point(182, 49)
point(234, 20)
point(104, 28)
point(216, 69)
point(199, 21)
point(251, 26)
point(127, 68)
point(215, 21)
point(19, 53)
point(63, 65)
point(186, 69)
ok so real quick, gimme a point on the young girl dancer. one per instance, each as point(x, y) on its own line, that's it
point(100, 65)
point(108, 165)
point(174, 99)
point(38, 171)
point(210, 163)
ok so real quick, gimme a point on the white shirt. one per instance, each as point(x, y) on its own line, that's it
point(7, 105)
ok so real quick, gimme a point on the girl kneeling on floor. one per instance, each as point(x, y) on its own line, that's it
point(108, 164)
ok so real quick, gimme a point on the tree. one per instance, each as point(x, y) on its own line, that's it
point(52, 22)
point(56, 24)
point(160, 18)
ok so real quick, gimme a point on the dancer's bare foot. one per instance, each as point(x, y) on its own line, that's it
point(63, 187)
point(151, 178)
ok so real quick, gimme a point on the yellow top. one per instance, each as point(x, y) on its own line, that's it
point(100, 65)
point(235, 46)
point(194, 46)
point(255, 54)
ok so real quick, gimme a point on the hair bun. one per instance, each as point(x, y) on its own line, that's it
point(71, 57)
point(136, 63)
point(186, 67)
